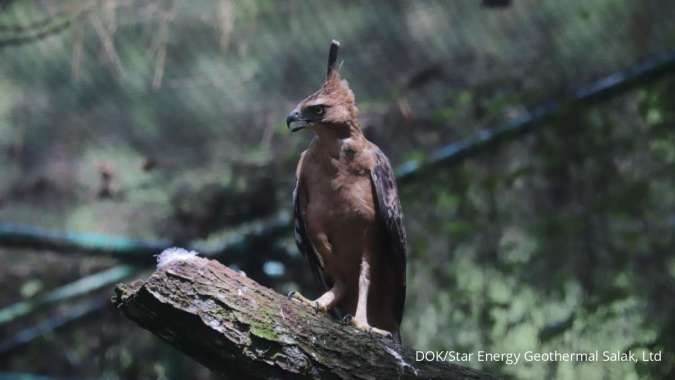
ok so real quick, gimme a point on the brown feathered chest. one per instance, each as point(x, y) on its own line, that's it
point(339, 188)
point(339, 207)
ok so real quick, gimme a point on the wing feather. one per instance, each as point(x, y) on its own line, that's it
point(391, 216)
point(302, 239)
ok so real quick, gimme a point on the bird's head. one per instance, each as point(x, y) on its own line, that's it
point(331, 108)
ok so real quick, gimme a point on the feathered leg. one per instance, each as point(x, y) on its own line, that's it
point(360, 319)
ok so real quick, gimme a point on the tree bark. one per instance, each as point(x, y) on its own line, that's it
point(240, 329)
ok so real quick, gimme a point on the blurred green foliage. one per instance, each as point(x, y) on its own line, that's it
point(563, 240)
point(555, 242)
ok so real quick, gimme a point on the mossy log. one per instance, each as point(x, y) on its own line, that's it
point(240, 329)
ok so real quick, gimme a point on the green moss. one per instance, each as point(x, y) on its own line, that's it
point(264, 331)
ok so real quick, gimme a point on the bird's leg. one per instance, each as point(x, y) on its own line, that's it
point(360, 319)
point(326, 301)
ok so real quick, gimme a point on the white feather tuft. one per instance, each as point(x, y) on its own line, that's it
point(170, 255)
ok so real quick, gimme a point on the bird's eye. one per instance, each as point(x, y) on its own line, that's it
point(317, 110)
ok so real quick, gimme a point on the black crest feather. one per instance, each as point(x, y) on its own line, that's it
point(332, 56)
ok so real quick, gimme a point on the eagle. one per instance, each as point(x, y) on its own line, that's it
point(347, 214)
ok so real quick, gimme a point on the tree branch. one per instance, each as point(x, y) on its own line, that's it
point(233, 247)
point(69, 291)
point(74, 313)
point(235, 326)
point(605, 88)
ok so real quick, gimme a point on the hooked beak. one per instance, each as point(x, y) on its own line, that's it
point(294, 117)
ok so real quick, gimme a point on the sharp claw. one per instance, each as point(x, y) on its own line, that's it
point(380, 332)
point(320, 309)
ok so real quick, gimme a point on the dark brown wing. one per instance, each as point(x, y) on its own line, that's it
point(302, 238)
point(391, 216)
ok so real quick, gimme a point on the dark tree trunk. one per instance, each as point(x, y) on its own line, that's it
point(240, 329)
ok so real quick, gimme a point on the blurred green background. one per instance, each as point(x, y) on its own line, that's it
point(162, 122)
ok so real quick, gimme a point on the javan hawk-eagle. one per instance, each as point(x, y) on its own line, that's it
point(348, 220)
